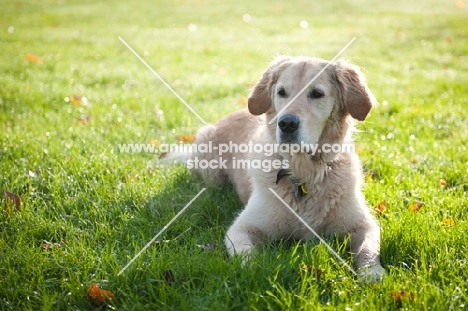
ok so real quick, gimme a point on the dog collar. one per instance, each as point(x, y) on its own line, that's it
point(300, 189)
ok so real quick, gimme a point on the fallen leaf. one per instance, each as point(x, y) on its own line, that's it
point(33, 58)
point(448, 222)
point(416, 206)
point(398, 296)
point(243, 101)
point(460, 4)
point(78, 100)
point(311, 269)
point(381, 208)
point(46, 245)
point(169, 276)
point(186, 138)
point(11, 200)
point(99, 296)
point(154, 142)
point(83, 119)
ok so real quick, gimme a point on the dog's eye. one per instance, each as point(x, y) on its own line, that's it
point(316, 94)
point(282, 92)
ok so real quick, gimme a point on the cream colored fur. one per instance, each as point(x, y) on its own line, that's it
point(334, 203)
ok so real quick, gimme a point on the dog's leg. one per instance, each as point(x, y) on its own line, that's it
point(365, 246)
point(242, 236)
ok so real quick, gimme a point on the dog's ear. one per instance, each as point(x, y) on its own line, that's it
point(260, 99)
point(355, 95)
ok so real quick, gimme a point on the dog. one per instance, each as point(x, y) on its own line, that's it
point(298, 100)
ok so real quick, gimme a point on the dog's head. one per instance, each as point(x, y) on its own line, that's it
point(310, 98)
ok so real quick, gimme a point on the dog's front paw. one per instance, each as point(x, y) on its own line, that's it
point(371, 274)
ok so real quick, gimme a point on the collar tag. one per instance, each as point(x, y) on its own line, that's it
point(301, 190)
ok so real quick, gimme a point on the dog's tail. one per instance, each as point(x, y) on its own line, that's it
point(184, 152)
point(179, 156)
point(190, 153)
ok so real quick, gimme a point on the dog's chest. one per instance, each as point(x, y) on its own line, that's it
point(312, 208)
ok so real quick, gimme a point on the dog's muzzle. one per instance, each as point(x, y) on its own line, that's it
point(288, 126)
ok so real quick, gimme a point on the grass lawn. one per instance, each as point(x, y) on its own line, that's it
point(70, 92)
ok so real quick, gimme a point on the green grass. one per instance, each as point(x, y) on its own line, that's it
point(101, 206)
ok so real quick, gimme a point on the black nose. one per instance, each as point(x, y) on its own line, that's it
point(288, 123)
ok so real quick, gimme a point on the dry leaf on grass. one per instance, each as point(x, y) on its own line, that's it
point(381, 208)
point(84, 119)
point(12, 200)
point(460, 4)
point(399, 296)
point(243, 101)
point(169, 276)
point(78, 100)
point(186, 138)
point(154, 142)
point(310, 269)
point(46, 245)
point(33, 58)
point(448, 222)
point(99, 296)
point(416, 206)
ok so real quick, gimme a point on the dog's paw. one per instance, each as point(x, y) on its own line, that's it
point(371, 274)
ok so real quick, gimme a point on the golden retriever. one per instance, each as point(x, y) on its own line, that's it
point(323, 188)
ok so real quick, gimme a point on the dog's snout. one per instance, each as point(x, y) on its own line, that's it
point(288, 123)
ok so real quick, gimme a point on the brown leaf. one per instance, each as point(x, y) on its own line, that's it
point(310, 269)
point(448, 222)
point(398, 296)
point(381, 208)
point(46, 245)
point(76, 100)
point(186, 138)
point(11, 200)
point(83, 119)
point(169, 276)
point(99, 296)
point(154, 142)
point(460, 4)
point(33, 58)
point(416, 206)
point(243, 101)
